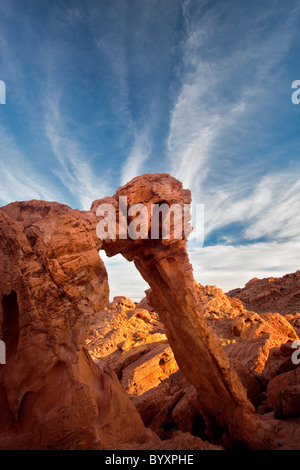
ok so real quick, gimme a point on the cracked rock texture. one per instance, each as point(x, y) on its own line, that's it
point(186, 368)
point(52, 394)
point(164, 264)
point(271, 294)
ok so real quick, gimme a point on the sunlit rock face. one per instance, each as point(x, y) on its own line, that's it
point(52, 394)
point(165, 265)
point(271, 294)
point(54, 305)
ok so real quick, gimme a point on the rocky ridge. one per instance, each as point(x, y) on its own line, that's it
point(272, 294)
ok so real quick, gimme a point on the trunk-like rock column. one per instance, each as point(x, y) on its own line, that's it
point(165, 266)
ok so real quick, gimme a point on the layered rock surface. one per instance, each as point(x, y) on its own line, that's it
point(53, 284)
point(272, 294)
point(164, 264)
point(52, 394)
point(128, 339)
point(82, 373)
point(131, 341)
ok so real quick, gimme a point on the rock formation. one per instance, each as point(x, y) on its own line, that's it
point(186, 364)
point(130, 340)
point(272, 294)
point(52, 395)
point(164, 264)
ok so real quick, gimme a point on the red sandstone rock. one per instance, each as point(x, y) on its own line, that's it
point(121, 327)
point(181, 441)
point(280, 382)
point(150, 403)
point(220, 311)
point(55, 286)
point(52, 395)
point(271, 330)
point(155, 403)
point(271, 294)
point(289, 400)
point(253, 382)
point(164, 264)
point(150, 370)
point(215, 302)
point(253, 325)
point(280, 361)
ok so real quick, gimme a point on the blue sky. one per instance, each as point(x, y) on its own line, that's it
point(98, 92)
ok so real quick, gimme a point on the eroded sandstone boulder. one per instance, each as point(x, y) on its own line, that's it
point(122, 327)
point(278, 385)
point(52, 395)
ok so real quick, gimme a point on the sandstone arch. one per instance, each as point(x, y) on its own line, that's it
point(165, 266)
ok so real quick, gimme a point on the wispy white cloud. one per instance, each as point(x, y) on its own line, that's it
point(269, 209)
point(229, 266)
point(139, 153)
point(223, 94)
point(19, 180)
point(276, 208)
point(75, 169)
point(111, 47)
point(222, 107)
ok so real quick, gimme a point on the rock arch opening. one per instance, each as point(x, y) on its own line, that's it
point(164, 264)
point(123, 278)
